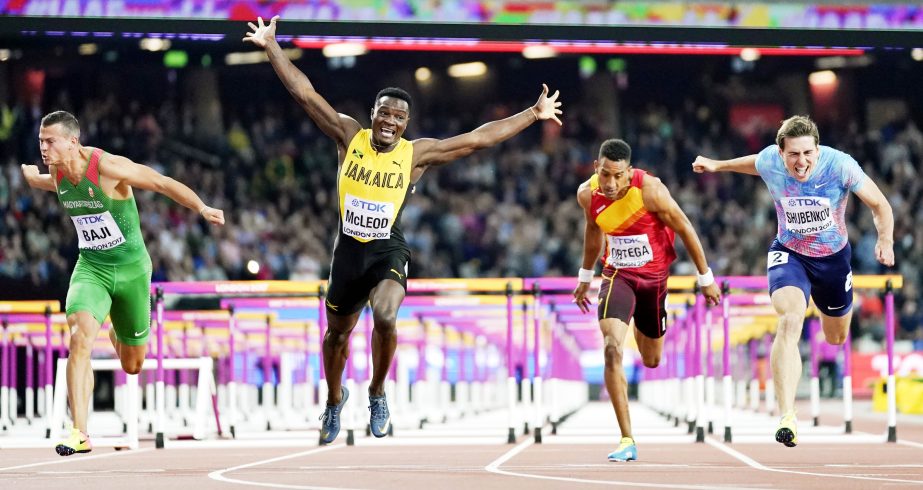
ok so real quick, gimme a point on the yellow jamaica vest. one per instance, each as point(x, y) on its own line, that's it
point(372, 187)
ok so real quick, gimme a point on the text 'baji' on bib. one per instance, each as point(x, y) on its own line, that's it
point(97, 231)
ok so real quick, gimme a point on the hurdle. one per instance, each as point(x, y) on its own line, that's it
point(14, 312)
point(220, 289)
point(885, 282)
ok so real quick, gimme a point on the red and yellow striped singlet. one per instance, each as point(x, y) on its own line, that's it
point(636, 239)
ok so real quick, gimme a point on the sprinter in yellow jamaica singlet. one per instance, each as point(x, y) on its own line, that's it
point(113, 272)
point(377, 170)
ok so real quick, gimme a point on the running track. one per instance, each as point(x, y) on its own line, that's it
point(465, 456)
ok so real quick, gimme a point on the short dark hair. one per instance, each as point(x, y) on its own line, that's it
point(615, 149)
point(397, 93)
point(65, 119)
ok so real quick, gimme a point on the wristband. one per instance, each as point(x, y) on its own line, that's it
point(204, 207)
point(534, 114)
point(585, 275)
point(706, 279)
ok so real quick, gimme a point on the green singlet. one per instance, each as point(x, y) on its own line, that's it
point(113, 272)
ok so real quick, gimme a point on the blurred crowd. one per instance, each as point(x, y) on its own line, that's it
point(506, 211)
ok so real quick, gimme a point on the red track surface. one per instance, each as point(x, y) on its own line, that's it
point(378, 464)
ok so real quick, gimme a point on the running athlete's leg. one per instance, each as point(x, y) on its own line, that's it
point(131, 356)
point(832, 291)
point(614, 331)
point(790, 304)
point(84, 329)
point(650, 319)
point(386, 299)
point(836, 327)
point(131, 314)
point(336, 351)
point(651, 349)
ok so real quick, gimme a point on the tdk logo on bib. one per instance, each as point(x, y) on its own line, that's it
point(375, 207)
point(89, 220)
point(627, 240)
point(807, 201)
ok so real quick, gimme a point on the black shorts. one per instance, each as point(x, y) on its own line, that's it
point(358, 267)
point(624, 295)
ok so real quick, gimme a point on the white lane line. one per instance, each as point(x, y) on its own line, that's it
point(495, 468)
point(218, 475)
point(76, 459)
point(101, 472)
point(910, 443)
point(754, 464)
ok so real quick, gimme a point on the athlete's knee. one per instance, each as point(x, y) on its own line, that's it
point(385, 320)
point(336, 338)
point(835, 338)
point(790, 324)
point(613, 354)
point(132, 366)
point(81, 344)
point(651, 361)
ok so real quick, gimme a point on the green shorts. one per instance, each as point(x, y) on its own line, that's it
point(122, 292)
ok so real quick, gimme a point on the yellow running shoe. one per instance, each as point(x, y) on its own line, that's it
point(627, 451)
point(78, 442)
point(787, 433)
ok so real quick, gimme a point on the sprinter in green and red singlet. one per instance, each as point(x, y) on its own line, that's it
point(113, 272)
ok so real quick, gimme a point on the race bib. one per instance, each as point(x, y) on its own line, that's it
point(367, 220)
point(629, 251)
point(776, 258)
point(807, 215)
point(97, 231)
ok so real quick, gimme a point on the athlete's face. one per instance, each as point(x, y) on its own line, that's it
point(614, 177)
point(56, 144)
point(389, 120)
point(799, 155)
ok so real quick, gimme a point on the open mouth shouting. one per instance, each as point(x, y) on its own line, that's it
point(386, 134)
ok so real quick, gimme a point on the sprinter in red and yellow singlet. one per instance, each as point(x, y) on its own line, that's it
point(631, 220)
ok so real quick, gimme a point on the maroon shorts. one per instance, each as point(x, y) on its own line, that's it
point(624, 295)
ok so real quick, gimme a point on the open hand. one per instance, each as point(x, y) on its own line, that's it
point(712, 294)
point(580, 297)
point(547, 106)
point(262, 34)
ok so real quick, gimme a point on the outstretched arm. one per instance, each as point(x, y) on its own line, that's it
point(742, 165)
point(37, 180)
point(883, 216)
point(337, 126)
point(592, 246)
point(126, 172)
point(436, 152)
point(657, 199)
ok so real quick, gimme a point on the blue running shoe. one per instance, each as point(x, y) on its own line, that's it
point(330, 419)
point(627, 451)
point(380, 420)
